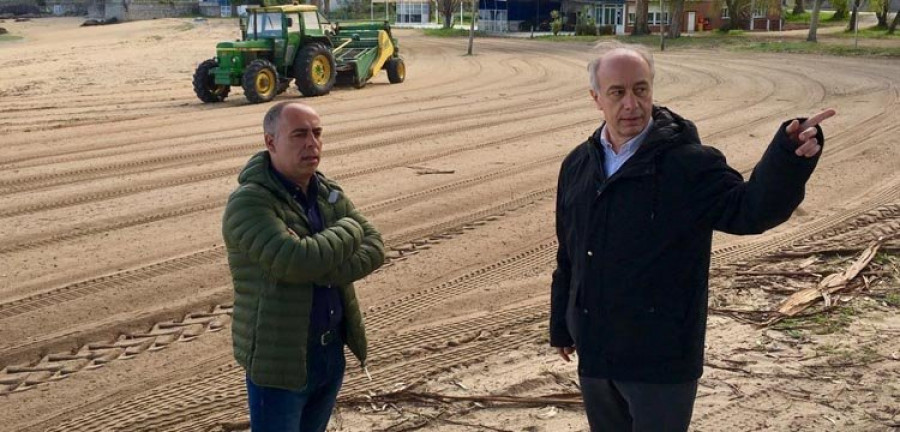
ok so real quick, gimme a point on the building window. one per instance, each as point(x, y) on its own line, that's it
point(631, 19)
point(653, 18)
point(724, 12)
point(760, 11)
point(606, 15)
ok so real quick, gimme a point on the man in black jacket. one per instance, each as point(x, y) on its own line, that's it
point(636, 207)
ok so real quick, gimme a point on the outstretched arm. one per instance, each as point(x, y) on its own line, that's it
point(777, 186)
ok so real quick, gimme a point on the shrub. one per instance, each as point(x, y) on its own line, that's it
point(555, 22)
point(585, 25)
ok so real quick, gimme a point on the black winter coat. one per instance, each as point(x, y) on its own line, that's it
point(634, 248)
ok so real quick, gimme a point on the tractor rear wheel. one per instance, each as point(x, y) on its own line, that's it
point(396, 70)
point(315, 70)
point(260, 81)
point(205, 83)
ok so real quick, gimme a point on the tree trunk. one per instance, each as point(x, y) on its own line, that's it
point(894, 23)
point(677, 14)
point(641, 27)
point(882, 15)
point(448, 18)
point(798, 7)
point(814, 21)
point(852, 24)
point(472, 26)
point(326, 7)
point(737, 12)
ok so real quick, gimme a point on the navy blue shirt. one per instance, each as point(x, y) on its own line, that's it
point(327, 309)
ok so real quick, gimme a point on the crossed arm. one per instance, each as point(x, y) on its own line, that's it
point(342, 253)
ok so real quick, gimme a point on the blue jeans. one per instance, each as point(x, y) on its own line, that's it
point(308, 410)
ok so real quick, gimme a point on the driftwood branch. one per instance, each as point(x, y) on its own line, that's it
point(420, 170)
point(831, 284)
point(419, 397)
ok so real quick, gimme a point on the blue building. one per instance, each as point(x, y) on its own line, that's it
point(521, 15)
point(516, 15)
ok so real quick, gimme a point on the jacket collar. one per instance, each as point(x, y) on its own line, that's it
point(259, 171)
point(667, 130)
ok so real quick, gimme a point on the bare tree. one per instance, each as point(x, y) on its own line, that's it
point(814, 21)
point(641, 27)
point(676, 12)
point(447, 8)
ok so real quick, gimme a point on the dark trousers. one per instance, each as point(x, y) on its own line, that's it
point(308, 410)
point(626, 406)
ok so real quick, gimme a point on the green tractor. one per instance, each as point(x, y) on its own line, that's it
point(281, 43)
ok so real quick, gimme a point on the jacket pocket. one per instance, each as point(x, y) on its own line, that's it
point(645, 333)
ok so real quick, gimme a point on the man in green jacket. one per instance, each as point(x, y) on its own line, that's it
point(295, 245)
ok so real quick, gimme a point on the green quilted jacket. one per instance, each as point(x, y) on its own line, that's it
point(275, 262)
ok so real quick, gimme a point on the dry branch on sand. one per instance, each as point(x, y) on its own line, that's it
point(831, 284)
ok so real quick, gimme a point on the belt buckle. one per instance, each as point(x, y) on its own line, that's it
point(326, 338)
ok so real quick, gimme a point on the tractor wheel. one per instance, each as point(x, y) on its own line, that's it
point(260, 81)
point(396, 70)
point(205, 83)
point(315, 70)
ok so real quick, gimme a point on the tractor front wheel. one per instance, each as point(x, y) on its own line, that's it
point(396, 70)
point(315, 70)
point(205, 83)
point(260, 81)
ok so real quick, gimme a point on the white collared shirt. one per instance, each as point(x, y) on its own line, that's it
point(613, 161)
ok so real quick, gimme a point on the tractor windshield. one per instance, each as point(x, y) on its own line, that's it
point(311, 22)
point(266, 25)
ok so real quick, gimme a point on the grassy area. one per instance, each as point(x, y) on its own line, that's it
point(805, 17)
point(712, 40)
point(736, 40)
point(9, 38)
point(872, 33)
point(585, 39)
point(451, 32)
point(821, 323)
point(892, 299)
point(741, 41)
point(820, 48)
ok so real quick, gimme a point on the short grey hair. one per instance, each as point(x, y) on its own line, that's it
point(270, 122)
point(604, 48)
